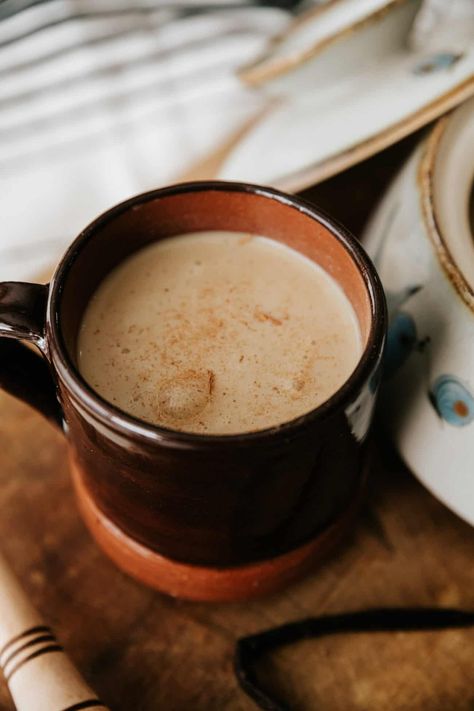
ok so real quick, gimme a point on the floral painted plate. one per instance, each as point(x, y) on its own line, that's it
point(421, 241)
point(339, 92)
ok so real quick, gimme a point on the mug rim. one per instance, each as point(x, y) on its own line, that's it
point(119, 420)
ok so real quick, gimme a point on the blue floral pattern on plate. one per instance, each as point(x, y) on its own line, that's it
point(437, 62)
point(452, 400)
point(402, 337)
point(401, 341)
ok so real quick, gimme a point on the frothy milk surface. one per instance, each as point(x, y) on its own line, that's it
point(218, 333)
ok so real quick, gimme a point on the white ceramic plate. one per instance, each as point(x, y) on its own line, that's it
point(343, 97)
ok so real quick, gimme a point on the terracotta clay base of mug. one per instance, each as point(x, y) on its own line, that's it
point(200, 583)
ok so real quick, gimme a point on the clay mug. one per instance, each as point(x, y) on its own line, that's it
point(197, 516)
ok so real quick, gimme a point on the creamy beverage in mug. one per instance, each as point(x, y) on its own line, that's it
point(218, 333)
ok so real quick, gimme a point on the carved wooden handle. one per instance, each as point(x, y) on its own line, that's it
point(39, 674)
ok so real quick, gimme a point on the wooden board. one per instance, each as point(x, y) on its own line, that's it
point(142, 651)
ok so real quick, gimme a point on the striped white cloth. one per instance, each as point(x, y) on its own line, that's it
point(102, 99)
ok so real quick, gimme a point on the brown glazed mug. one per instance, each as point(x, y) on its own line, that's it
point(198, 516)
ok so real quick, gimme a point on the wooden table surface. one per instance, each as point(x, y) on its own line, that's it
point(143, 651)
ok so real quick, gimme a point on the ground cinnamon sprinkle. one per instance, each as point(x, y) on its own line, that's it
point(263, 316)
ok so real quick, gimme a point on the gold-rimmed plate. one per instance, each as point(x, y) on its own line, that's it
point(344, 96)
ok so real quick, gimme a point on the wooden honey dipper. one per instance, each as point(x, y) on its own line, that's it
point(39, 675)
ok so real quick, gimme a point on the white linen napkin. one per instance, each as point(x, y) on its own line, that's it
point(102, 99)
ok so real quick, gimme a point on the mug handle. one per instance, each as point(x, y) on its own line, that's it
point(23, 373)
